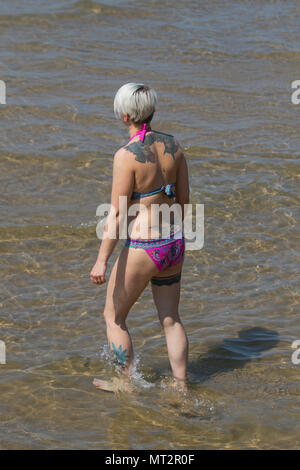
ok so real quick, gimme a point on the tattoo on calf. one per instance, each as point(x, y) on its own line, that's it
point(142, 150)
point(121, 356)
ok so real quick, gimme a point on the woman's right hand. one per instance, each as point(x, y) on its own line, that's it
point(97, 274)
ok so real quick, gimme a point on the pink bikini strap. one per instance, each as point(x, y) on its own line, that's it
point(141, 133)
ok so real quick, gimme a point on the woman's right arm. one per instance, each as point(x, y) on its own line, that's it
point(122, 185)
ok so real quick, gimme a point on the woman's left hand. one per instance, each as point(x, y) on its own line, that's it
point(97, 274)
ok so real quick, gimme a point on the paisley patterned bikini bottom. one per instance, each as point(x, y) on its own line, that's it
point(164, 252)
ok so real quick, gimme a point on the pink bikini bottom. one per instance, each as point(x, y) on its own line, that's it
point(164, 252)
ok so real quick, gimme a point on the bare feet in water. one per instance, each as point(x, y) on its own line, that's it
point(117, 384)
point(124, 384)
point(175, 384)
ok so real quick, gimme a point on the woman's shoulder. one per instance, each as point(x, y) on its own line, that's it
point(122, 158)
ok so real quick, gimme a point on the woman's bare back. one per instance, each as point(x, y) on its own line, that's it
point(156, 160)
point(155, 163)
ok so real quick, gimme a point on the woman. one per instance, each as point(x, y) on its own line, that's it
point(150, 170)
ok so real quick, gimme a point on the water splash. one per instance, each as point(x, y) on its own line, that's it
point(137, 376)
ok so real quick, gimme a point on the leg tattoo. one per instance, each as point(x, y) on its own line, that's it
point(121, 356)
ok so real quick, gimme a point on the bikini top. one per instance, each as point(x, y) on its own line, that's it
point(166, 188)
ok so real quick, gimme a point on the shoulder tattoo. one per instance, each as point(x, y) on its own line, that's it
point(142, 150)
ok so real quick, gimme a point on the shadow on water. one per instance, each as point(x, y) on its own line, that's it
point(233, 353)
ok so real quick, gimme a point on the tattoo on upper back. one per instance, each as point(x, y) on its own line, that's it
point(171, 145)
point(142, 150)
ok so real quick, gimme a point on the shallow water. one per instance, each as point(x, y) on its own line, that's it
point(223, 74)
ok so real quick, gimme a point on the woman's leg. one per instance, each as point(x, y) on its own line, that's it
point(166, 298)
point(129, 277)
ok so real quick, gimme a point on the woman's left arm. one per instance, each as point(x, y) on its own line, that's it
point(122, 185)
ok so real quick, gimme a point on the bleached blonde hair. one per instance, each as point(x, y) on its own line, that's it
point(137, 100)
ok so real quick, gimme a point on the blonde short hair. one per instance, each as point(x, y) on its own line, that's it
point(137, 100)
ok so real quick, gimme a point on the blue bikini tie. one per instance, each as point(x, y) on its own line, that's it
point(168, 190)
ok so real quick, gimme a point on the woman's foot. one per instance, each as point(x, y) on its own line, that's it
point(117, 384)
point(178, 385)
